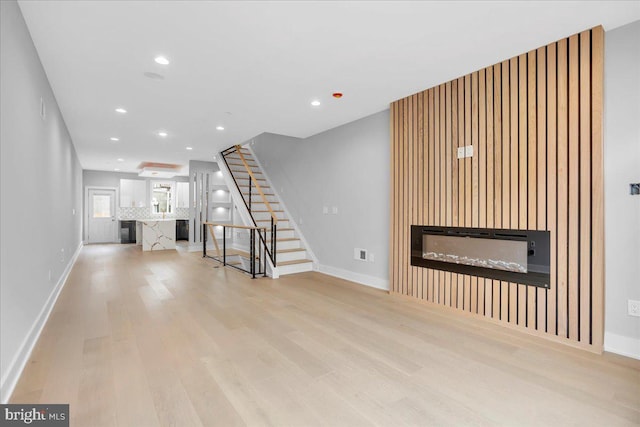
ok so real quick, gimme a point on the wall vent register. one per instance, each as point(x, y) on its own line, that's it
point(520, 256)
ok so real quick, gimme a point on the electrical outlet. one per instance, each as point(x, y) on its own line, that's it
point(461, 152)
point(360, 254)
point(634, 308)
point(325, 210)
point(372, 258)
point(334, 210)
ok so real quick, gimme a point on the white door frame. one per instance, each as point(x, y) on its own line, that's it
point(86, 210)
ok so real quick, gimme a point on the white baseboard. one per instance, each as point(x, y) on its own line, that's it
point(622, 345)
point(10, 379)
point(363, 279)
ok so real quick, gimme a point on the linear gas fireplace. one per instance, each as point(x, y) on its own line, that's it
point(520, 256)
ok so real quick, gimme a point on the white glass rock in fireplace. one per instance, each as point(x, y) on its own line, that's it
point(508, 255)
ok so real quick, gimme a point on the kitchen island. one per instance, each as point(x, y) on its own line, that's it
point(156, 234)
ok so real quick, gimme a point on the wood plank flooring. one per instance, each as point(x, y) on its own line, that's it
point(164, 338)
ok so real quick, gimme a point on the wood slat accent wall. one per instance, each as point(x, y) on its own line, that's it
point(535, 122)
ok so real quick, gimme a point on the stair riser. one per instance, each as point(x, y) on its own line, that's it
point(285, 234)
point(281, 224)
point(291, 256)
point(293, 244)
point(267, 215)
point(295, 268)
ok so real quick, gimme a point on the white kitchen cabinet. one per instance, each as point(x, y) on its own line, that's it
point(182, 196)
point(133, 193)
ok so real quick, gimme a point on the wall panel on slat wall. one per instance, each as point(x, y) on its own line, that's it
point(535, 124)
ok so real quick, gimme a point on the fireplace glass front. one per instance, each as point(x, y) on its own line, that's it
point(508, 255)
point(519, 256)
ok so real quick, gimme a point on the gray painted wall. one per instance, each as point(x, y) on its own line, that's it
point(41, 194)
point(346, 167)
point(622, 167)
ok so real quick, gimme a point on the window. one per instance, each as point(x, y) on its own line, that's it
point(162, 197)
point(101, 206)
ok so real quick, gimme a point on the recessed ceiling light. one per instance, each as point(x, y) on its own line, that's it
point(315, 102)
point(162, 134)
point(121, 110)
point(121, 160)
point(113, 138)
point(220, 127)
point(189, 148)
point(116, 169)
point(161, 60)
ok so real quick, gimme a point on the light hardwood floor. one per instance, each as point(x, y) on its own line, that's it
point(146, 339)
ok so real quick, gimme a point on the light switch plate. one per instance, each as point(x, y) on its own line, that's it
point(461, 151)
point(325, 210)
point(634, 308)
point(468, 151)
point(334, 210)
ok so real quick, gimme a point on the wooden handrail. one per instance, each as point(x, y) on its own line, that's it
point(255, 182)
point(210, 226)
point(247, 227)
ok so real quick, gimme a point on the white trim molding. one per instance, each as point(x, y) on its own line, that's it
point(10, 379)
point(622, 345)
point(363, 279)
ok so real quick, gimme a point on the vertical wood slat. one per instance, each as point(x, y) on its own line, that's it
point(532, 179)
point(535, 122)
point(443, 206)
point(541, 199)
point(461, 183)
point(424, 99)
point(403, 239)
point(474, 176)
point(585, 187)
point(514, 169)
point(597, 188)
point(522, 173)
point(552, 188)
point(411, 177)
point(574, 173)
point(420, 201)
point(488, 309)
point(481, 166)
point(563, 186)
point(432, 175)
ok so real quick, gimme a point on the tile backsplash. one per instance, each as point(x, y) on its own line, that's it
point(144, 213)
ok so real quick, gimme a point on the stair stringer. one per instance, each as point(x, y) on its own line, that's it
point(283, 206)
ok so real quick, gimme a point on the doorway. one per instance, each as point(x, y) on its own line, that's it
point(102, 221)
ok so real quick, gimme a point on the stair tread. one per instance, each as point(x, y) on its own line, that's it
point(246, 186)
point(284, 251)
point(286, 239)
point(265, 211)
point(243, 254)
point(268, 220)
point(296, 261)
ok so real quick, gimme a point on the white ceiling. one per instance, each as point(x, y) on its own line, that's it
point(254, 67)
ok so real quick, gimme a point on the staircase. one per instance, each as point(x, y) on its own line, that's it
point(288, 254)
